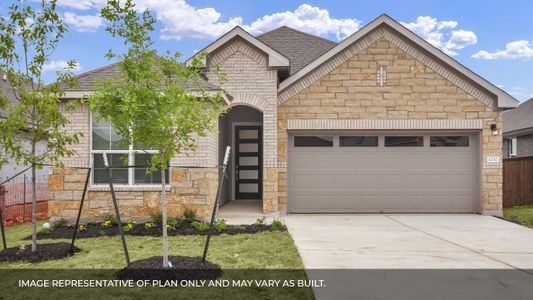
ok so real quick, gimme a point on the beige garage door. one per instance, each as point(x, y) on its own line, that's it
point(383, 172)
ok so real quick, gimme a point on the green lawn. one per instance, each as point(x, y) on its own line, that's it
point(520, 214)
point(265, 255)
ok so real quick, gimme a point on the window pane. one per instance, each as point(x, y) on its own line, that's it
point(248, 187)
point(449, 141)
point(313, 141)
point(358, 141)
point(119, 175)
point(248, 174)
point(141, 175)
point(105, 137)
point(248, 134)
point(248, 147)
point(117, 141)
point(248, 161)
point(404, 141)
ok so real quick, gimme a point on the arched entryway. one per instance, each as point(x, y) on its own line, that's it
point(242, 129)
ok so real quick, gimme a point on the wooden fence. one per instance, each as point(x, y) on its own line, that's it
point(518, 181)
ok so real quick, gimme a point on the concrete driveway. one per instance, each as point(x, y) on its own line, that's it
point(414, 256)
point(411, 242)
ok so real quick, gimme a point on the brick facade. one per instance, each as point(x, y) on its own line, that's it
point(524, 146)
point(250, 82)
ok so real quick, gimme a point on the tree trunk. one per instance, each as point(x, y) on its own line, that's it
point(164, 208)
point(33, 203)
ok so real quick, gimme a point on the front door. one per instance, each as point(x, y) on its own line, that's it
point(248, 162)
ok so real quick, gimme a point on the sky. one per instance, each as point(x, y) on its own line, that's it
point(492, 38)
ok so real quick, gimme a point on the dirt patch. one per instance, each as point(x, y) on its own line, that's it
point(183, 267)
point(44, 252)
point(182, 228)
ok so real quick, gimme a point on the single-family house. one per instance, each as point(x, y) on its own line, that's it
point(380, 122)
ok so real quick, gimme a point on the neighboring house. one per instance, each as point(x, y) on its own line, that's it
point(380, 122)
point(11, 168)
point(518, 131)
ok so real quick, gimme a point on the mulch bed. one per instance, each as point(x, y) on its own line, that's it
point(182, 228)
point(183, 267)
point(44, 252)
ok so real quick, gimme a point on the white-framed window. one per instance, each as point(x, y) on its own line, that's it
point(104, 138)
point(512, 147)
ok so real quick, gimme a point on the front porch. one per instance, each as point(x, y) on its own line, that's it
point(244, 212)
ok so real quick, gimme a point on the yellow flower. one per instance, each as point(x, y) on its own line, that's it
point(82, 228)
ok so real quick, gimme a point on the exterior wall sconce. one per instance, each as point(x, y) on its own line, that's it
point(494, 129)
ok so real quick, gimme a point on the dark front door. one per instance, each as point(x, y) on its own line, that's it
point(248, 162)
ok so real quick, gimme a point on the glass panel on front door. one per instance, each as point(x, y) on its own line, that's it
point(248, 162)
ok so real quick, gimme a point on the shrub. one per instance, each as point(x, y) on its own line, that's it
point(92, 224)
point(111, 219)
point(202, 226)
point(60, 223)
point(107, 224)
point(260, 221)
point(101, 233)
point(46, 230)
point(220, 225)
point(277, 224)
point(239, 227)
point(189, 215)
point(129, 226)
point(149, 225)
point(157, 218)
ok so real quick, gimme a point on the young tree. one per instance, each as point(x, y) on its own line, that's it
point(157, 101)
point(28, 37)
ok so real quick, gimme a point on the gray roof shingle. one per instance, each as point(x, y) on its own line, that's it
point(518, 118)
point(299, 47)
point(88, 80)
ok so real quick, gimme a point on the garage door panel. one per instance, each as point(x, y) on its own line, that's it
point(401, 161)
point(301, 181)
point(405, 202)
point(382, 179)
point(323, 182)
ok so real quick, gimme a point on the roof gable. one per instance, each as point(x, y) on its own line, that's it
point(299, 47)
point(504, 100)
point(275, 59)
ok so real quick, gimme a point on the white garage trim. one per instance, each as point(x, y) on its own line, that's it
point(317, 124)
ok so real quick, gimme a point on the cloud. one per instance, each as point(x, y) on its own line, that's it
point(180, 19)
point(513, 50)
point(183, 20)
point(306, 18)
point(81, 4)
point(58, 66)
point(82, 23)
point(441, 34)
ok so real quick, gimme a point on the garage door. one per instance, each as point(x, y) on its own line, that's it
point(383, 172)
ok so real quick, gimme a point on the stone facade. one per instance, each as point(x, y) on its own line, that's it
point(189, 189)
point(413, 91)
